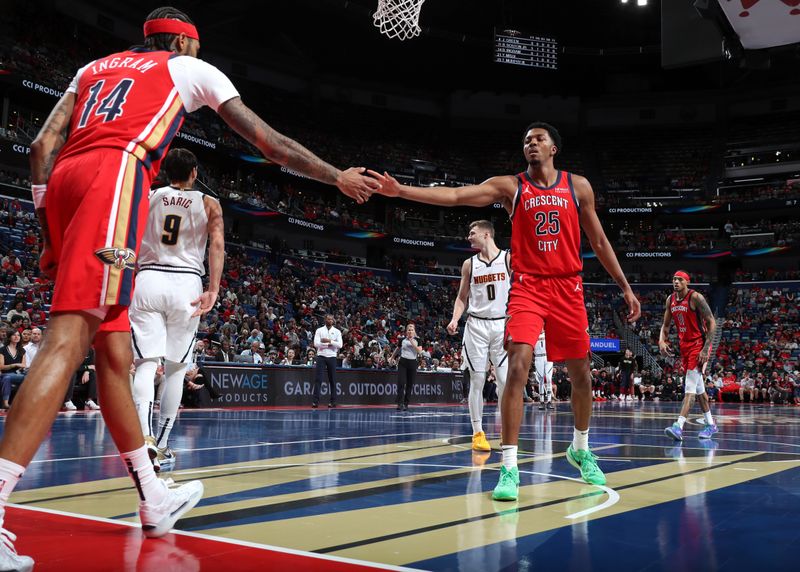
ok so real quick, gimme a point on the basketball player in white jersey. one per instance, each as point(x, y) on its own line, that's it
point(165, 310)
point(485, 282)
point(544, 373)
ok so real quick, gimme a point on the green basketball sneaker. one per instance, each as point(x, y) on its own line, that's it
point(507, 488)
point(586, 463)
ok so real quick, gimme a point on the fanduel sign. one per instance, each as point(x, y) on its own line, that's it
point(605, 344)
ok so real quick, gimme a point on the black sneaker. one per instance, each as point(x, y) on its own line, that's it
point(313, 406)
point(331, 405)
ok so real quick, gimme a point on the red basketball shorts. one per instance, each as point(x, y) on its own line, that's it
point(689, 355)
point(97, 209)
point(555, 304)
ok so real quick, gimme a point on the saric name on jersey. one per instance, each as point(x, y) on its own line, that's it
point(176, 202)
point(497, 277)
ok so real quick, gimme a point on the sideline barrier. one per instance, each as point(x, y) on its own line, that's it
point(242, 385)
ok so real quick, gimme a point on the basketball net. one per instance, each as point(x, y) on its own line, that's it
point(398, 18)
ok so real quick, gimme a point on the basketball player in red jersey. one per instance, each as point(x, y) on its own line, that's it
point(548, 208)
point(696, 326)
point(91, 165)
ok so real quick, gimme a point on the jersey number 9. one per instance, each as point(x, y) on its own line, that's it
point(172, 227)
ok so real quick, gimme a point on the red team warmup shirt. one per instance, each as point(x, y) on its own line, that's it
point(691, 329)
point(547, 291)
point(128, 108)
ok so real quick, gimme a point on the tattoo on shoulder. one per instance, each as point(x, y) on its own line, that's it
point(703, 307)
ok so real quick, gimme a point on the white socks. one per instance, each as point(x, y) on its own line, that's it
point(580, 439)
point(509, 456)
point(475, 401)
point(140, 468)
point(681, 421)
point(144, 392)
point(708, 417)
point(10, 474)
point(170, 400)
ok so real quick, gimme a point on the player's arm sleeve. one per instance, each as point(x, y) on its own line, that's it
point(73, 85)
point(200, 84)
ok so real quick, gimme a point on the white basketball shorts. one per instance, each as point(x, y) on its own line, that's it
point(161, 315)
point(483, 341)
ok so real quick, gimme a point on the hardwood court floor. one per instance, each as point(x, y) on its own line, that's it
point(354, 488)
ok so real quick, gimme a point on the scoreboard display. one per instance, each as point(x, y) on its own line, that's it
point(515, 48)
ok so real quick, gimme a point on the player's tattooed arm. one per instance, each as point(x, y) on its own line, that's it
point(288, 152)
point(273, 145)
point(51, 139)
point(701, 305)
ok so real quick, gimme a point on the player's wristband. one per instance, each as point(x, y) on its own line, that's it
point(39, 192)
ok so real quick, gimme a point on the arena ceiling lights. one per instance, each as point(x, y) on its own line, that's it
point(638, 2)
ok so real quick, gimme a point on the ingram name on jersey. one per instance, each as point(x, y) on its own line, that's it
point(177, 232)
point(489, 283)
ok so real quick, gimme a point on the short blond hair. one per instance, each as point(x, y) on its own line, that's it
point(484, 224)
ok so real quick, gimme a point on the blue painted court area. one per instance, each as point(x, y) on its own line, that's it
point(404, 489)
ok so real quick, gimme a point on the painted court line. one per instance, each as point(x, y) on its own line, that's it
point(258, 444)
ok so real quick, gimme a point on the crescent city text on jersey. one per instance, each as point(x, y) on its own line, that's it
point(139, 64)
point(545, 201)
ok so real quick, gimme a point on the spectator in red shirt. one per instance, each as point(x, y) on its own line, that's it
point(729, 386)
point(11, 262)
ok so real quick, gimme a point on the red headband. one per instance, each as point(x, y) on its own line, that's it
point(682, 274)
point(170, 26)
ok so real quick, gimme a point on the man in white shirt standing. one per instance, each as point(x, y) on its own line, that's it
point(328, 341)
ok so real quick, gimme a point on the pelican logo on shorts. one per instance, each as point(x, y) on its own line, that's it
point(119, 258)
point(578, 287)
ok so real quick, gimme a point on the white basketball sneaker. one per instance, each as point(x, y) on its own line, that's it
point(9, 559)
point(158, 519)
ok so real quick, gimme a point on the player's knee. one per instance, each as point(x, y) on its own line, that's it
point(517, 372)
point(59, 349)
point(581, 380)
point(113, 355)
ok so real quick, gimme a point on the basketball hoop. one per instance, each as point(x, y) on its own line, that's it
point(398, 18)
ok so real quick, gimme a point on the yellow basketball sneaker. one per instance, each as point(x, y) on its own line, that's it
point(479, 442)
